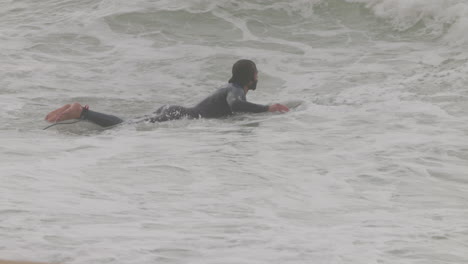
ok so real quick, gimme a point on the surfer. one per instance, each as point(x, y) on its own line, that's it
point(227, 100)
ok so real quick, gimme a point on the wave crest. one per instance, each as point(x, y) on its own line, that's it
point(440, 18)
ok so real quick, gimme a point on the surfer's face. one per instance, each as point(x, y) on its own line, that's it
point(253, 84)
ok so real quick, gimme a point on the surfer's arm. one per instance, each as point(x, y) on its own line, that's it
point(237, 102)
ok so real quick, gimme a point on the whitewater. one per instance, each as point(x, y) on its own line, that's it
point(370, 166)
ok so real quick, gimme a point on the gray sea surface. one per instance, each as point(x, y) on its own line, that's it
point(369, 166)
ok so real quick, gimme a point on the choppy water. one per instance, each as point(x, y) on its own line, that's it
point(372, 167)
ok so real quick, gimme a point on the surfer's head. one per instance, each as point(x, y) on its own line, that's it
point(244, 73)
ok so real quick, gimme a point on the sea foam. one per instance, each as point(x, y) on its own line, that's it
point(440, 18)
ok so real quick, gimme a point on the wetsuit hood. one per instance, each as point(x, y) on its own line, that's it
point(243, 72)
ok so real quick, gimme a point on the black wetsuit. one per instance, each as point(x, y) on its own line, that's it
point(225, 101)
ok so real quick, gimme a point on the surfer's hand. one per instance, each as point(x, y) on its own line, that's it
point(278, 108)
point(66, 112)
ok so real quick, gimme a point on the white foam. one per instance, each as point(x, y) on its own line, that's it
point(370, 167)
point(444, 18)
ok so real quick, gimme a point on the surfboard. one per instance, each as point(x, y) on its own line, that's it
point(293, 104)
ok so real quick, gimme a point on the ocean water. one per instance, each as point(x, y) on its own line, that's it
point(370, 167)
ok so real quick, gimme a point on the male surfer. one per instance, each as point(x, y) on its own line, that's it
point(225, 101)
